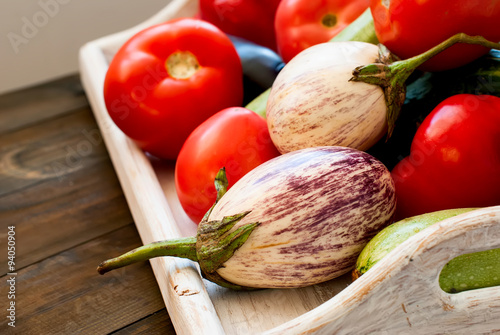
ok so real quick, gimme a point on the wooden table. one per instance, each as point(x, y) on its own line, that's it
point(59, 191)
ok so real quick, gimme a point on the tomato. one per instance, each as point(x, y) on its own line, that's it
point(169, 78)
point(235, 138)
point(249, 19)
point(454, 160)
point(300, 24)
point(408, 28)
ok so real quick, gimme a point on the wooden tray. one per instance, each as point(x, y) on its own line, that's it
point(399, 295)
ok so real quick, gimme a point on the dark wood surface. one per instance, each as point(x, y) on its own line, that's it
point(59, 190)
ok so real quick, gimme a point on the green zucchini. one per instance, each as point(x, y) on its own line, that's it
point(465, 272)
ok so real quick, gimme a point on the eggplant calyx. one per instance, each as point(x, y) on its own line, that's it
point(214, 243)
point(391, 74)
point(393, 84)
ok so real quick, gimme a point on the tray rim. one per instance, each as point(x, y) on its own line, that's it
point(134, 171)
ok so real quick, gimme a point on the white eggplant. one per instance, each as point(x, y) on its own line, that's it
point(297, 220)
point(343, 94)
point(313, 102)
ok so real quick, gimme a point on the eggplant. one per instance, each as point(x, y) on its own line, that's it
point(313, 102)
point(299, 219)
point(361, 29)
point(344, 93)
point(260, 66)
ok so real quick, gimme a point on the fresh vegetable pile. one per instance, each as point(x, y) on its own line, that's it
point(297, 138)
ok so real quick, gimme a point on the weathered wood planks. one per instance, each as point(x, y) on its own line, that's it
point(60, 191)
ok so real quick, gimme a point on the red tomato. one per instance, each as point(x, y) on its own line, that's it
point(408, 28)
point(250, 19)
point(168, 79)
point(454, 160)
point(235, 138)
point(300, 24)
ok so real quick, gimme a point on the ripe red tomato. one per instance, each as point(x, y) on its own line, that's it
point(300, 24)
point(454, 160)
point(408, 28)
point(234, 138)
point(169, 78)
point(251, 19)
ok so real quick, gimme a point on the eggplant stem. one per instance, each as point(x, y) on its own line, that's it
point(212, 246)
point(182, 247)
point(392, 75)
point(418, 60)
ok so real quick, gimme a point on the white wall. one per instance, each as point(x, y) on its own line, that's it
point(40, 39)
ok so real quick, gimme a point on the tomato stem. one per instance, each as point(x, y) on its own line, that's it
point(329, 20)
point(182, 65)
point(392, 74)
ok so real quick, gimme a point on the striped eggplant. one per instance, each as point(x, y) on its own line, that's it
point(313, 102)
point(361, 29)
point(299, 219)
point(343, 93)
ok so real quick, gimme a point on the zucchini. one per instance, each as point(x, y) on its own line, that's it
point(465, 272)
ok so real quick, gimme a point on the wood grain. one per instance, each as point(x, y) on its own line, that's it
point(35, 104)
point(184, 293)
point(64, 294)
point(59, 189)
point(155, 324)
point(56, 180)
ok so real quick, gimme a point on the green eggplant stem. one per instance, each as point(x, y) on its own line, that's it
point(181, 247)
point(215, 242)
point(391, 75)
point(418, 60)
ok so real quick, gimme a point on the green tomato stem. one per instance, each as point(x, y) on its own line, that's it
point(392, 74)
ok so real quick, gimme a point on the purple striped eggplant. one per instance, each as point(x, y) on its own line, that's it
point(313, 101)
point(297, 220)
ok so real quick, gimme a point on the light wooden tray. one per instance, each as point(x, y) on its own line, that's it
point(399, 295)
